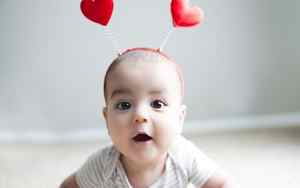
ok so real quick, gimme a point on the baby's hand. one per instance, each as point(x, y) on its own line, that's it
point(70, 182)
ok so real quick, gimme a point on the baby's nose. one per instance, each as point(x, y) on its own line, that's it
point(141, 115)
point(141, 119)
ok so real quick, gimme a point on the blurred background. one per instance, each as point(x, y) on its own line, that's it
point(241, 69)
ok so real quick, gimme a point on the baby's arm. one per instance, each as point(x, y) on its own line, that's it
point(215, 182)
point(219, 181)
point(69, 182)
point(201, 170)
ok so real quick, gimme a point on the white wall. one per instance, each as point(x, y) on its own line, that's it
point(244, 60)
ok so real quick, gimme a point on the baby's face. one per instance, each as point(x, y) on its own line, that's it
point(144, 113)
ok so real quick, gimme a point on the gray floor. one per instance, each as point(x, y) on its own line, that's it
point(256, 158)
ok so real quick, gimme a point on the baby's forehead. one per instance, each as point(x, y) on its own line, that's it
point(148, 61)
point(155, 74)
point(130, 66)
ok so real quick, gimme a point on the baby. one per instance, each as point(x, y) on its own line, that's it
point(144, 114)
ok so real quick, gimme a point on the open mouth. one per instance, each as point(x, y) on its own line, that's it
point(142, 137)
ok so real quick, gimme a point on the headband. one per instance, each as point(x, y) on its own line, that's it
point(183, 15)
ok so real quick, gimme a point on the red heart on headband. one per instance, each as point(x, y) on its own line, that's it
point(99, 11)
point(185, 16)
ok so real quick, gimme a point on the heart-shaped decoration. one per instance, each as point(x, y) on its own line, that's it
point(99, 11)
point(185, 16)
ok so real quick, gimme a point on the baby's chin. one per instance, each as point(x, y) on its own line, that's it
point(146, 155)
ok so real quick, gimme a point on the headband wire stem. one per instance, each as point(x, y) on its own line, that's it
point(114, 41)
point(166, 39)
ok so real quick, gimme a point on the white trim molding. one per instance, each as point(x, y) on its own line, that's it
point(244, 123)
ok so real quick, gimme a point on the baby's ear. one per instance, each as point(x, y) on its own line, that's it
point(104, 112)
point(182, 113)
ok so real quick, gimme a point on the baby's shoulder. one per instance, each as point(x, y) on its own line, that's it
point(181, 152)
point(186, 154)
point(97, 167)
point(183, 148)
point(106, 153)
point(101, 156)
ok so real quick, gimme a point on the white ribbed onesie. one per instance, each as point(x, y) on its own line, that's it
point(185, 164)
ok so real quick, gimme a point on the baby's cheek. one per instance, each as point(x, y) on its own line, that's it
point(165, 133)
point(117, 125)
point(119, 118)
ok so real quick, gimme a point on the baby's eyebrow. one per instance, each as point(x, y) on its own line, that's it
point(157, 91)
point(120, 92)
point(126, 91)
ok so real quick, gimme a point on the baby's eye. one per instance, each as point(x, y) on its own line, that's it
point(123, 106)
point(158, 104)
